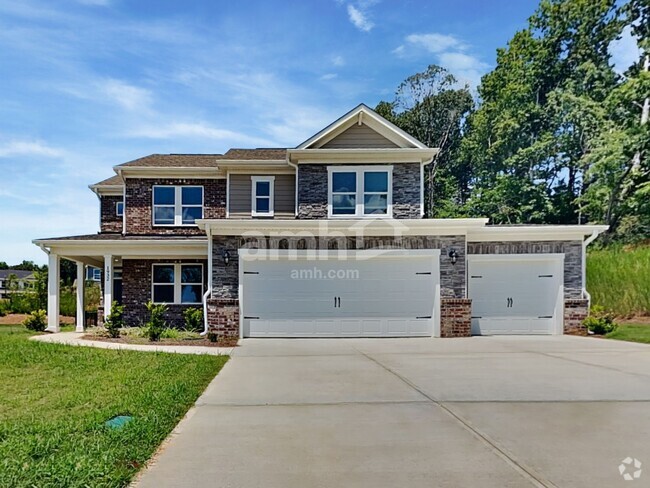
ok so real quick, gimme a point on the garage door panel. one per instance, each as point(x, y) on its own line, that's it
point(350, 298)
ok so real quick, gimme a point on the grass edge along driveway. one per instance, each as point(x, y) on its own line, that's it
point(54, 400)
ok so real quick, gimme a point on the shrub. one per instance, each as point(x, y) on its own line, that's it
point(156, 323)
point(37, 321)
point(170, 333)
point(4, 308)
point(213, 337)
point(193, 319)
point(114, 321)
point(600, 321)
point(67, 302)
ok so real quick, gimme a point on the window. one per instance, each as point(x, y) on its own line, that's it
point(93, 274)
point(360, 191)
point(177, 283)
point(119, 209)
point(262, 196)
point(177, 205)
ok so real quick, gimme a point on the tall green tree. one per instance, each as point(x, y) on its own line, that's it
point(432, 106)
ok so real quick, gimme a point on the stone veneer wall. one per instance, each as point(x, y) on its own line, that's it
point(575, 311)
point(572, 257)
point(312, 191)
point(139, 203)
point(110, 222)
point(136, 291)
point(455, 317)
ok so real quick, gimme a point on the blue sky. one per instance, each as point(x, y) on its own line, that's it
point(88, 84)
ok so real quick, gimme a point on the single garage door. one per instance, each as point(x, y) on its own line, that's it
point(360, 294)
point(516, 294)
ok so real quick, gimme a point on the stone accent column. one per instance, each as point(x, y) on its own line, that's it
point(575, 311)
point(455, 317)
point(223, 317)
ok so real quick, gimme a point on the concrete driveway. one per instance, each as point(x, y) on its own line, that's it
point(483, 411)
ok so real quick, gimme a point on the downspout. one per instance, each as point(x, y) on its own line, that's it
point(208, 231)
point(422, 165)
point(295, 190)
point(585, 243)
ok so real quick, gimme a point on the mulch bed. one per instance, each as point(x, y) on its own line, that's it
point(163, 342)
point(17, 318)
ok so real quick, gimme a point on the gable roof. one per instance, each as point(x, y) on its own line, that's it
point(21, 274)
point(362, 114)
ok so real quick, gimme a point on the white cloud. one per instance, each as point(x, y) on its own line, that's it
point(196, 130)
point(127, 96)
point(328, 76)
point(436, 43)
point(338, 61)
point(359, 19)
point(28, 148)
point(467, 69)
point(624, 51)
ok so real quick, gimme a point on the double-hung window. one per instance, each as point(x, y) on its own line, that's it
point(360, 191)
point(262, 196)
point(177, 205)
point(177, 283)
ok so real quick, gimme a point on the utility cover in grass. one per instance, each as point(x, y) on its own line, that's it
point(118, 422)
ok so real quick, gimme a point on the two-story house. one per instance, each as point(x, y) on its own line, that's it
point(325, 239)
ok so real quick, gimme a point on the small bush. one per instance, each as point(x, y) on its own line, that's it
point(4, 308)
point(213, 337)
point(600, 321)
point(114, 321)
point(156, 323)
point(170, 333)
point(37, 321)
point(193, 319)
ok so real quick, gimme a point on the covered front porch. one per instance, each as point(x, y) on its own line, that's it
point(111, 253)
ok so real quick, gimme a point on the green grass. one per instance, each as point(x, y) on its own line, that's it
point(54, 400)
point(631, 332)
point(619, 280)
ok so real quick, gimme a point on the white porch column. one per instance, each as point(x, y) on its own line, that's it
point(81, 286)
point(108, 284)
point(53, 293)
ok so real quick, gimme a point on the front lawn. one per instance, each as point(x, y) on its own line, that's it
point(54, 400)
point(631, 332)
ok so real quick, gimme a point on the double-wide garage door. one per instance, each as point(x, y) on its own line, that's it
point(516, 294)
point(331, 294)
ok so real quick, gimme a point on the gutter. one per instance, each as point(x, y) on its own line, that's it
point(206, 326)
point(295, 191)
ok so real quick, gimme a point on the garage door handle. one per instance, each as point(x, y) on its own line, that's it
point(424, 317)
point(545, 276)
point(424, 273)
point(545, 317)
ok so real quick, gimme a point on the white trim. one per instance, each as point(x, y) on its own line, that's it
point(184, 172)
point(178, 205)
point(81, 287)
point(362, 156)
point(360, 191)
point(533, 233)
point(53, 283)
point(108, 284)
point(422, 189)
point(227, 194)
point(262, 179)
point(177, 283)
point(124, 209)
point(517, 257)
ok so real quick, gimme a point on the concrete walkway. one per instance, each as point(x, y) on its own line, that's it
point(488, 412)
point(74, 339)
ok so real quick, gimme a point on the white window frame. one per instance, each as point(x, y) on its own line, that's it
point(178, 205)
point(178, 284)
point(117, 209)
point(360, 191)
point(271, 181)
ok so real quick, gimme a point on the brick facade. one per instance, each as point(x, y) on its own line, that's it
point(455, 317)
point(139, 203)
point(575, 311)
point(109, 221)
point(572, 251)
point(136, 292)
point(223, 317)
point(312, 191)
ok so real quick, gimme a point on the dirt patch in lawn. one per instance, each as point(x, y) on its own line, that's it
point(163, 342)
point(640, 320)
point(17, 318)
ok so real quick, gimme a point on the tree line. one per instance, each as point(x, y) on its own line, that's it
point(555, 134)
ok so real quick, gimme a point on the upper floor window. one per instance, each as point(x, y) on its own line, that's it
point(177, 205)
point(262, 196)
point(360, 191)
point(119, 209)
point(177, 283)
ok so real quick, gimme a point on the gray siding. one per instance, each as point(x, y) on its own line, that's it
point(359, 136)
point(572, 251)
point(240, 189)
point(312, 191)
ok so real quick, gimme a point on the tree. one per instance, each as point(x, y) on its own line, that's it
point(4, 265)
point(433, 107)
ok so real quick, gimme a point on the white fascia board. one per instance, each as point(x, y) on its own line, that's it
point(107, 190)
point(386, 128)
point(170, 172)
point(339, 227)
point(141, 249)
point(534, 233)
point(383, 155)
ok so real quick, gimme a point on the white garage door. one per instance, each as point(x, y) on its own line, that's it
point(516, 294)
point(366, 294)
